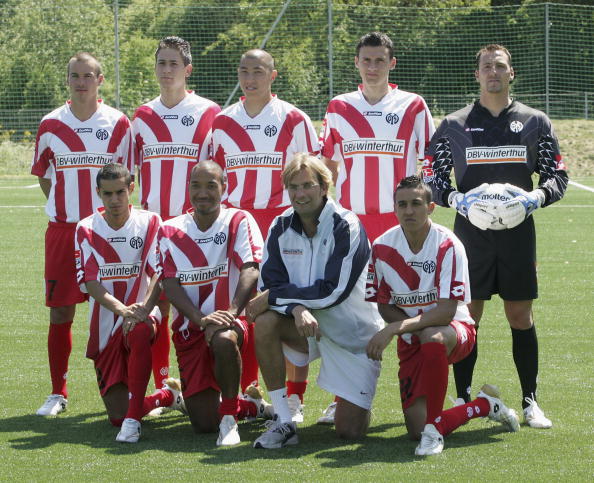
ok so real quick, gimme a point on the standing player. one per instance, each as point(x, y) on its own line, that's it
point(210, 268)
point(73, 143)
point(422, 292)
point(117, 261)
point(252, 141)
point(172, 134)
point(312, 304)
point(499, 140)
point(371, 139)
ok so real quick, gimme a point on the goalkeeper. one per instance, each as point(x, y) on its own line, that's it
point(498, 140)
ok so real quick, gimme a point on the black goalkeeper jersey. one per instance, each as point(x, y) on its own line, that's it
point(486, 149)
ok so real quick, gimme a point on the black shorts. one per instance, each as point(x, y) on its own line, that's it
point(500, 262)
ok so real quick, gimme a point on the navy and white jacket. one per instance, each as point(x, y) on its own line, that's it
point(326, 273)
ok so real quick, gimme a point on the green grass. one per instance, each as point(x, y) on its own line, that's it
point(79, 445)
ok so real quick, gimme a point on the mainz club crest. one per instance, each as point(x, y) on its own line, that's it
point(136, 242)
point(392, 118)
point(270, 131)
point(102, 134)
point(187, 120)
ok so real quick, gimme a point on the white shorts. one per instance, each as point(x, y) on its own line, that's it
point(343, 373)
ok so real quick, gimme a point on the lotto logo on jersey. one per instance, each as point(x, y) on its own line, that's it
point(428, 266)
point(414, 299)
point(119, 271)
point(370, 290)
point(82, 160)
point(254, 160)
point(457, 290)
point(496, 154)
point(373, 147)
point(170, 150)
point(202, 275)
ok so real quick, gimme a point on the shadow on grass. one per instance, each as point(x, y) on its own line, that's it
point(172, 433)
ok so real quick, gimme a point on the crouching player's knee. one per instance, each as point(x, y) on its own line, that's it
point(350, 420)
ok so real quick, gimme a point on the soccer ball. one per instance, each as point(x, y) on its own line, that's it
point(496, 194)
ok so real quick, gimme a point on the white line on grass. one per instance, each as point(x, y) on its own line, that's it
point(20, 206)
point(581, 186)
point(28, 187)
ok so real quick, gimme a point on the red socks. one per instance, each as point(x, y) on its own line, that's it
point(59, 346)
point(231, 406)
point(249, 363)
point(161, 398)
point(434, 377)
point(139, 368)
point(160, 352)
point(296, 388)
point(456, 417)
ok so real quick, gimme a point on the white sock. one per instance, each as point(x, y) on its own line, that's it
point(280, 404)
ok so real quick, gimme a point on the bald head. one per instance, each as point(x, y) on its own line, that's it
point(208, 166)
point(259, 55)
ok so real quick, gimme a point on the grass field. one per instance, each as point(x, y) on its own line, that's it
point(79, 445)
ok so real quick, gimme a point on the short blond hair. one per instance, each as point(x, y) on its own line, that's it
point(314, 165)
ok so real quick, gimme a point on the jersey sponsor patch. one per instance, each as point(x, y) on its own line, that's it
point(414, 299)
point(119, 271)
point(82, 160)
point(170, 150)
point(254, 160)
point(496, 155)
point(374, 147)
point(202, 275)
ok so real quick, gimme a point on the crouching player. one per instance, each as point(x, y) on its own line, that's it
point(210, 268)
point(313, 304)
point(117, 264)
point(422, 288)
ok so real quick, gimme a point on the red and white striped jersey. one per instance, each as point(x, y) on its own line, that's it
point(415, 281)
point(208, 263)
point(123, 261)
point(376, 146)
point(253, 151)
point(169, 142)
point(70, 152)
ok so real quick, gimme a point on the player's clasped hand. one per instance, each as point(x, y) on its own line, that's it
point(136, 310)
point(305, 323)
point(258, 305)
point(218, 318)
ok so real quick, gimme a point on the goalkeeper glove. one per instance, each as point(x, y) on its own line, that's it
point(520, 207)
point(483, 215)
point(461, 202)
